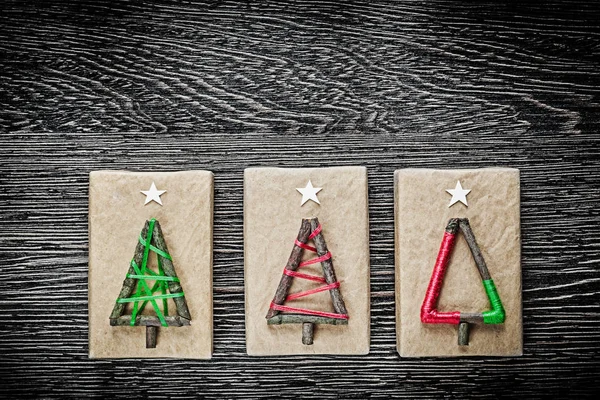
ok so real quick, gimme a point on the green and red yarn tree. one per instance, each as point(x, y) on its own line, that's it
point(429, 312)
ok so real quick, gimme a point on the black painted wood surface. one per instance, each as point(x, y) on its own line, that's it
point(87, 85)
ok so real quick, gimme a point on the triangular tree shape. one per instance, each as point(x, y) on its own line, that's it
point(429, 312)
point(166, 283)
point(281, 314)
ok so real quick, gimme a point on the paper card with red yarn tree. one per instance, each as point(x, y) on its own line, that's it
point(458, 272)
point(314, 300)
point(279, 313)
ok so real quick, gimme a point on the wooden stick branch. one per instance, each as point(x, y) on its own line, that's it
point(129, 283)
point(301, 318)
point(151, 334)
point(463, 334)
point(328, 271)
point(292, 265)
point(174, 287)
point(452, 226)
point(465, 227)
point(308, 333)
point(149, 320)
point(472, 318)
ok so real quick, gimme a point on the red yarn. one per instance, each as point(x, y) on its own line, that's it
point(315, 278)
point(305, 246)
point(324, 257)
point(429, 313)
point(294, 296)
point(315, 232)
point(308, 312)
point(303, 276)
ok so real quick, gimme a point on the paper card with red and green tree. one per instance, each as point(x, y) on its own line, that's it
point(458, 262)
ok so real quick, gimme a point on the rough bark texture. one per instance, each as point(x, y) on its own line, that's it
point(149, 320)
point(308, 333)
point(292, 265)
point(129, 283)
point(473, 318)
point(299, 319)
point(174, 287)
point(452, 226)
point(151, 335)
point(222, 86)
point(466, 230)
point(463, 334)
point(328, 271)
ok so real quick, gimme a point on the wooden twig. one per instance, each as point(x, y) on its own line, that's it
point(463, 334)
point(328, 271)
point(151, 334)
point(292, 265)
point(129, 283)
point(472, 318)
point(308, 333)
point(452, 226)
point(174, 287)
point(149, 320)
point(466, 318)
point(302, 318)
point(465, 227)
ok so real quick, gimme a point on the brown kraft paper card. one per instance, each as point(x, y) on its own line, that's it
point(422, 213)
point(117, 214)
point(272, 218)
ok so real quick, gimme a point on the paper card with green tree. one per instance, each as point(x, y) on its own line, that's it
point(145, 286)
point(150, 267)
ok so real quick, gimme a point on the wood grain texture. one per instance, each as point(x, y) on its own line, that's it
point(88, 85)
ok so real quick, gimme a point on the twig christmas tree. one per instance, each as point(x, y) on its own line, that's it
point(165, 280)
point(309, 229)
point(429, 312)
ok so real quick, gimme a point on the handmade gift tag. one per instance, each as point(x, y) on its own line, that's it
point(150, 264)
point(306, 246)
point(458, 262)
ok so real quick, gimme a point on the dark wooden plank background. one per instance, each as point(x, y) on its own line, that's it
point(87, 84)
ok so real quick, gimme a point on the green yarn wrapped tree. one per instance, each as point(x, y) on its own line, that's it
point(139, 290)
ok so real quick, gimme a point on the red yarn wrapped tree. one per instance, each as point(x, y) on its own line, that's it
point(310, 229)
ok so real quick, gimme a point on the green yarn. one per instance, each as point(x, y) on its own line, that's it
point(496, 315)
point(145, 293)
point(152, 297)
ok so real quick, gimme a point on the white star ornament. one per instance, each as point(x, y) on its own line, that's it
point(309, 193)
point(153, 194)
point(458, 194)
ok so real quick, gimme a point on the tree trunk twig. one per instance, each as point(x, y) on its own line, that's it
point(151, 334)
point(463, 334)
point(174, 287)
point(328, 271)
point(292, 265)
point(308, 333)
point(129, 283)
